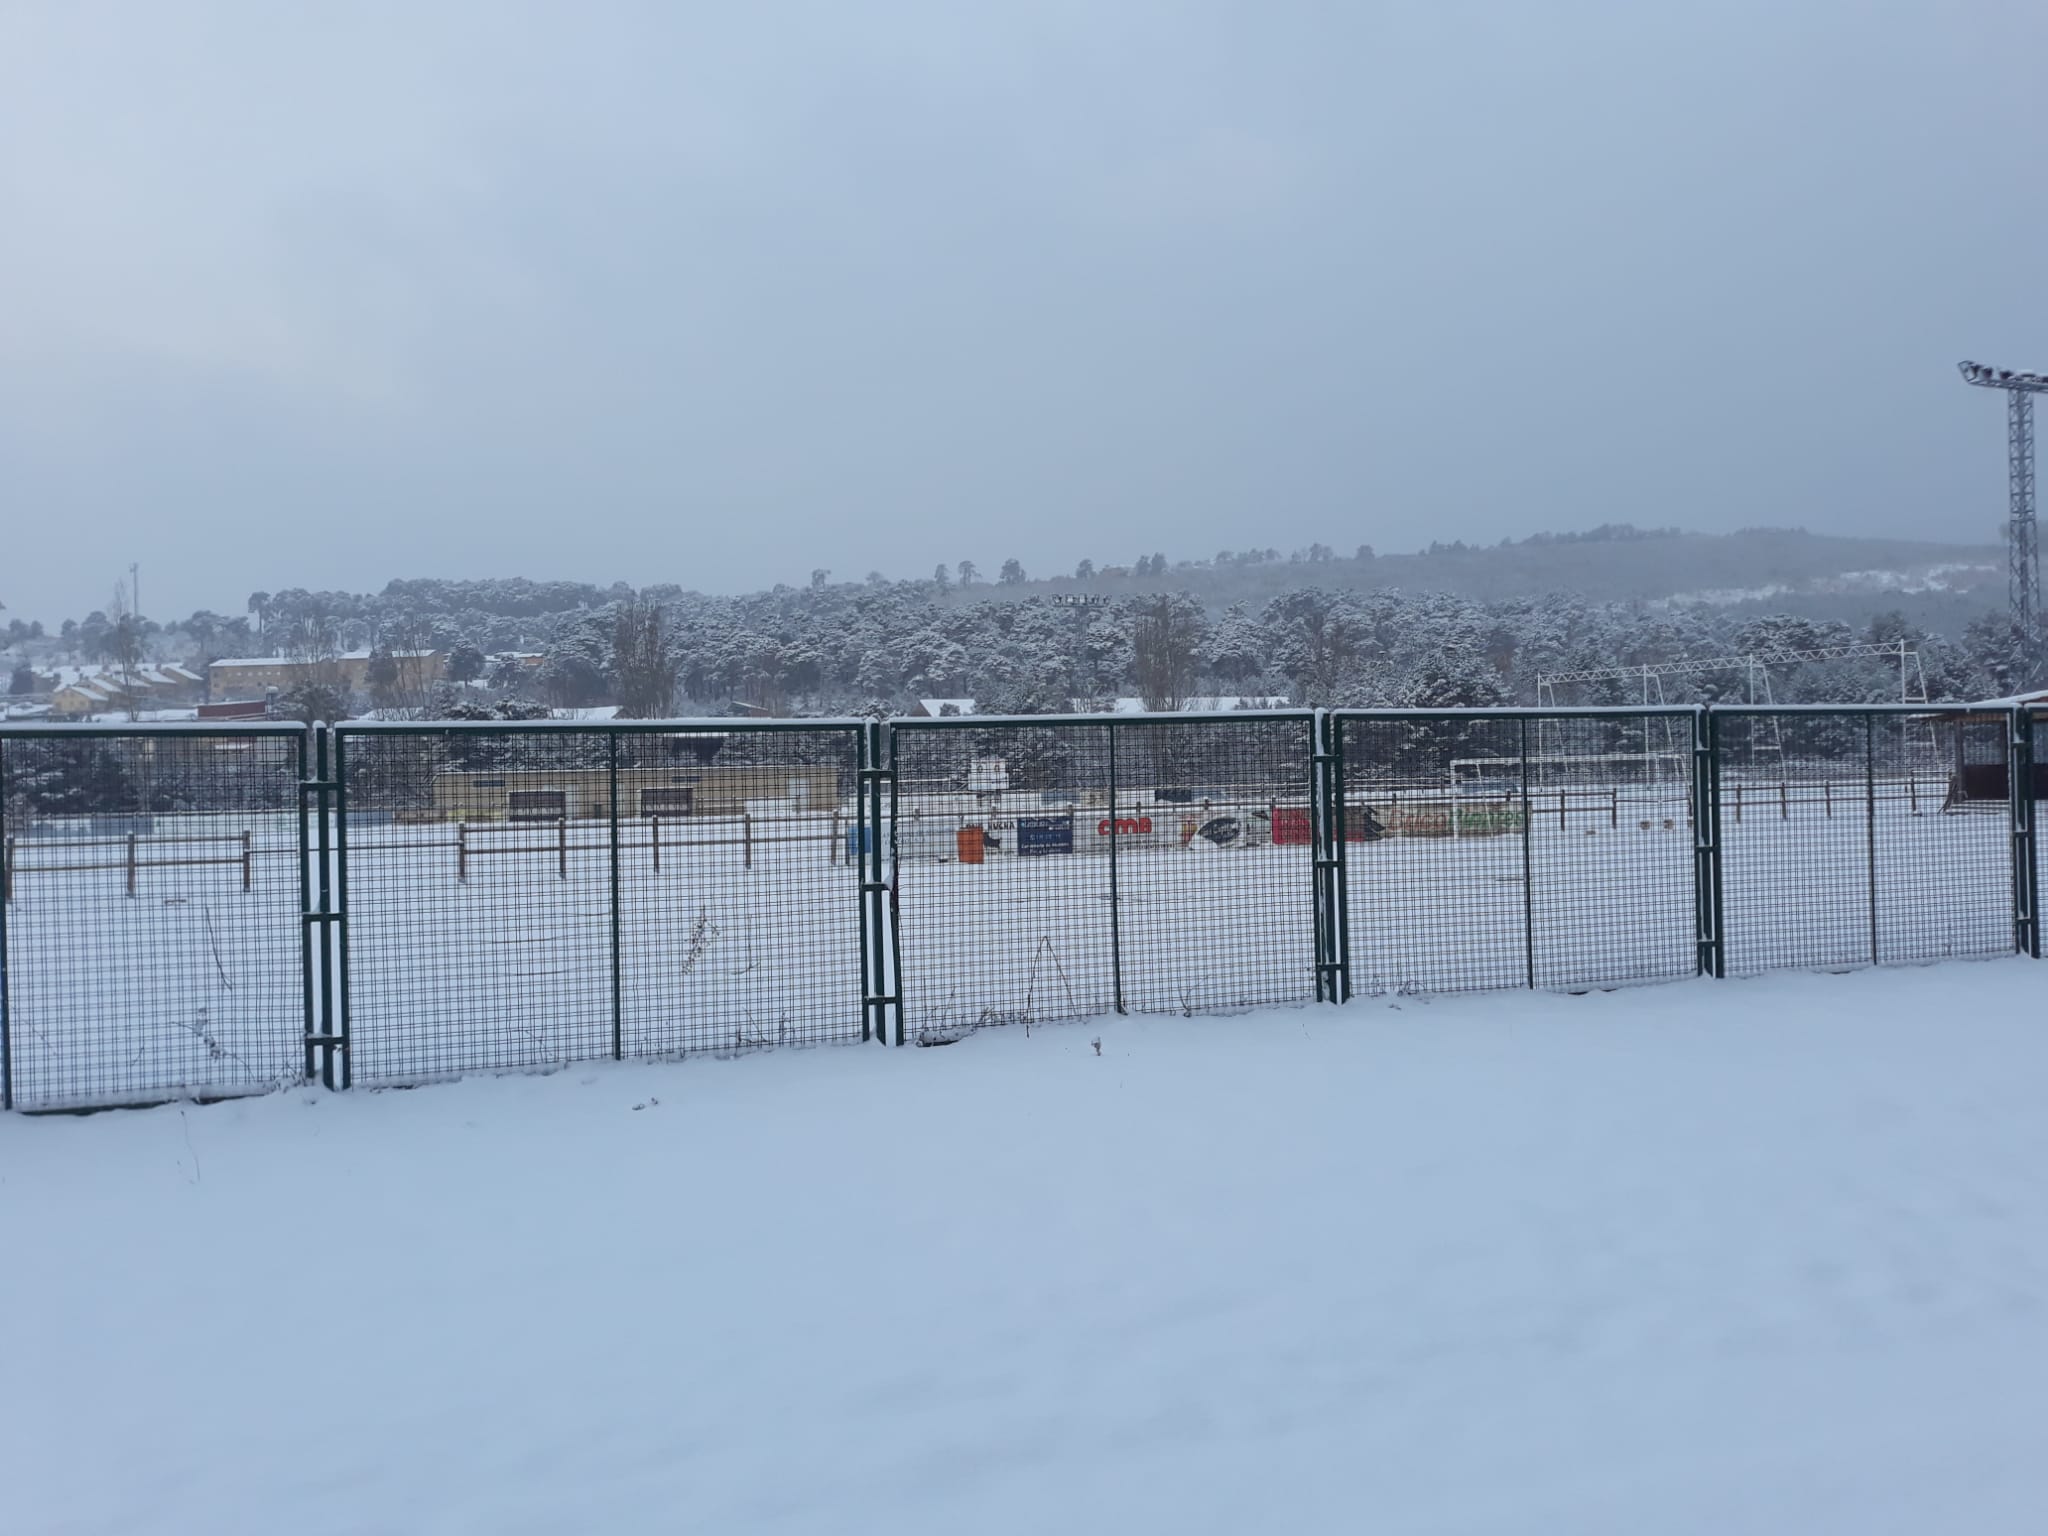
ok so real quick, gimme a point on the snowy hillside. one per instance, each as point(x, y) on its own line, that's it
point(1767, 1256)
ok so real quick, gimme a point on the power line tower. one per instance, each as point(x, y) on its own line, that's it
point(2023, 552)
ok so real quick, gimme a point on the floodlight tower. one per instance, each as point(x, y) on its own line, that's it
point(2023, 552)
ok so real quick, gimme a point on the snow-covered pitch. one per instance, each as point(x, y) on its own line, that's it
point(1763, 1256)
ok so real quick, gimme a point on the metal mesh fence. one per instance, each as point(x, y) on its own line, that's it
point(1005, 849)
point(1214, 827)
point(739, 890)
point(1943, 869)
point(151, 937)
point(1853, 838)
point(1071, 868)
point(1502, 851)
point(478, 894)
point(524, 898)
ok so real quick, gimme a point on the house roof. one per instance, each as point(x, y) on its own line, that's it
point(363, 654)
point(1206, 702)
point(2038, 699)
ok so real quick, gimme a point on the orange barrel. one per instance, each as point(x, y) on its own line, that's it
point(970, 840)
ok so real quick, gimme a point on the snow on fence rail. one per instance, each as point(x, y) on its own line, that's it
point(223, 910)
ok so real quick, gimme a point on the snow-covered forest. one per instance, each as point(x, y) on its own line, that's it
point(1249, 626)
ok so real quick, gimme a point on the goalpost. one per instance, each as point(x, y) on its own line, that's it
point(1655, 767)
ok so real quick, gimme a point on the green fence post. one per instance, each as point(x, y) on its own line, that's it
point(611, 742)
point(857, 861)
point(871, 862)
point(1326, 854)
point(335, 973)
point(1528, 861)
point(1116, 946)
point(324, 884)
point(1870, 825)
point(308, 791)
point(2026, 874)
point(1322, 945)
point(6, 1038)
point(893, 916)
point(1710, 959)
point(1341, 897)
point(876, 942)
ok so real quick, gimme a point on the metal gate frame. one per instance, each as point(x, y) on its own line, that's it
point(335, 992)
point(2017, 725)
point(1326, 878)
point(1706, 855)
point(300, 734)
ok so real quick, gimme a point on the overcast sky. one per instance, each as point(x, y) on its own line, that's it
point(319, 295)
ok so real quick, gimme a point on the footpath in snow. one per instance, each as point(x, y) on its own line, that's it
point(1760, 1256)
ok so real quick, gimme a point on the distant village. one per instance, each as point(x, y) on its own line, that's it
point(232, 688)
point(380, 681)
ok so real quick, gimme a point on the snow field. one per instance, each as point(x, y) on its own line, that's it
point(1768, 1256)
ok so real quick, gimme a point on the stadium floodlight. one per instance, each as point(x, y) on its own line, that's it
point(2023, 555)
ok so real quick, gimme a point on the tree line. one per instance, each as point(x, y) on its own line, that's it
point(836, 648)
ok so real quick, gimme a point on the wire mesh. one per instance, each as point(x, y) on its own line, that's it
point(1516, 852)
point(1798, 800)
point(1505, 851)
point(152, 899)
point(1610, 808)
point(1215, 872)
point(525, 898)
point(739, 889)
point(478, 895)
point(1005, 851)
point(1944, 866)
point(1862, 838)
point(1436, 866)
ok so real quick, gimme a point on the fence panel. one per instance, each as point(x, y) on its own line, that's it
point(1490, 851)
point(477, 887)
point(739, 888)
point(1611, 849)
point(153, 946)
point(1864, 837)
point(1436, 858)
point(1213, 823)
point(1798, 848)
point(1005, 859)
point(1944, 863)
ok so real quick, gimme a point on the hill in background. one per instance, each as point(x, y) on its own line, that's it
point(1940, 585)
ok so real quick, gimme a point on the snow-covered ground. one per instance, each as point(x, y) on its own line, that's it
point(1757, 1256)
